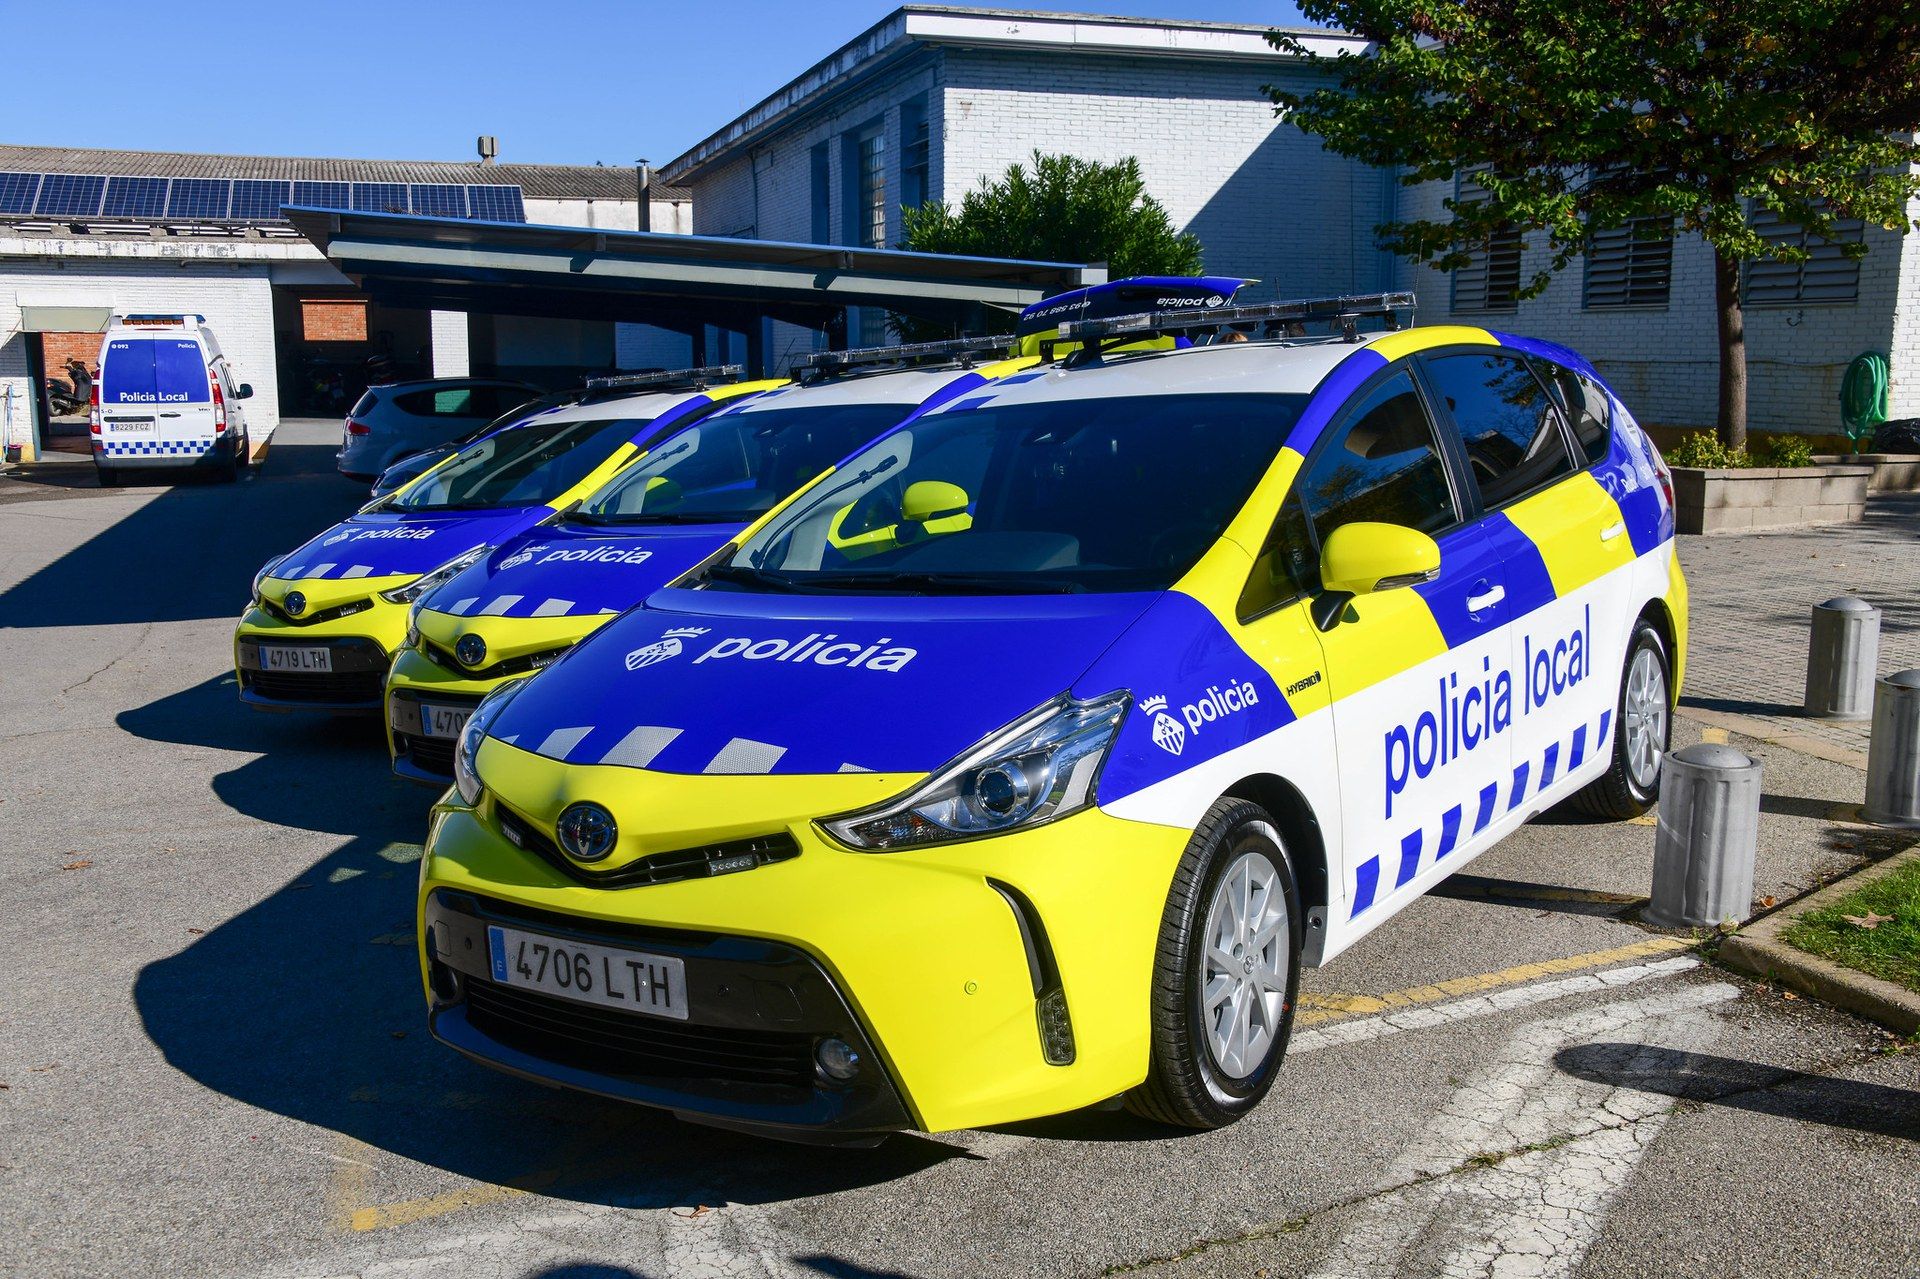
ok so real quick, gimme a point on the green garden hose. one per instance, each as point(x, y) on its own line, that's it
point(1863, 395)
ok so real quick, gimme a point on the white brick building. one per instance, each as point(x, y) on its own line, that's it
point(930, 100)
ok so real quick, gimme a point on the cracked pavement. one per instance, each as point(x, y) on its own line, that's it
point(214, 1060)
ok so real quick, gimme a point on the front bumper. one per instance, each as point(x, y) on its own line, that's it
point(360, 644)
point(947, 959)
point(747, 1060)
point(417, 678)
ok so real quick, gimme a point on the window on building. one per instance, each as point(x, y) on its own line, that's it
point(1491, 280)
point(916, 154)
point(1630, 265)
point(822, 192)
point(1827, 275)
point(873, 188)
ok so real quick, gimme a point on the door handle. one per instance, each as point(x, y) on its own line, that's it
point(1485, 597)
point(1613, 530)
point(169, 415)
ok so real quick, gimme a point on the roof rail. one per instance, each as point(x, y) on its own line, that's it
point(964, 351)
point(1274, 319)
point(669, 379)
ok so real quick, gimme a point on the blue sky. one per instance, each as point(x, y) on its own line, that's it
point(562, 81)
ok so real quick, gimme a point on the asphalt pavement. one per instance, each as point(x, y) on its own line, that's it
point(213, 1059)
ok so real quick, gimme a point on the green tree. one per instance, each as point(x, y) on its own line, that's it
point(1585, 115)
point(1062, 209)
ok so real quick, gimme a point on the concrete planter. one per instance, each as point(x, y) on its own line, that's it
point(1892, 472)
point(1740, 501)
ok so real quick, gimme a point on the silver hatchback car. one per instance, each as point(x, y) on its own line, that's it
point(399, 418)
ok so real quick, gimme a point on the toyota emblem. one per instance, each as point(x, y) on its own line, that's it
point(296, 603)
point(586, 832)
point(471, 650)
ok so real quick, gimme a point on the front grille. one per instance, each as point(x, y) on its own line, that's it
point(314, 619)
point(723, 858)
point(428, 754)
point(445, 659)
point(317, 686)
point(608, 1042)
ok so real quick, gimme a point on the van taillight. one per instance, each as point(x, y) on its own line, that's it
point(219, 403)
point(93, 409)
point(358, 428)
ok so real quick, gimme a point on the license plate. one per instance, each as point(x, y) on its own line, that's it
point(131, 425)
point(589, 974)
point(424, 719)
point(283, 657)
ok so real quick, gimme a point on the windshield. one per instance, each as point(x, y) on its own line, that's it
point(1119, 494)
point(521, 466)
point(735, 466)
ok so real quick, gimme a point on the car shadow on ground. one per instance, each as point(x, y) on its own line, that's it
point(189, 552)
point(1748, 1085)
point(309, 1003)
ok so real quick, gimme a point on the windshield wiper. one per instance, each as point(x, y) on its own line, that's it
point(666, 517)
point(742, 575)
point(937, 583)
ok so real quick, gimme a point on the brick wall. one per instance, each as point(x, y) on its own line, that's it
point(1664, 360)
point(333, 319)
point(58, 348)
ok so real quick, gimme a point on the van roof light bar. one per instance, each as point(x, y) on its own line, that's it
point(669, 379)
point(1281, 319)
point(964, 350)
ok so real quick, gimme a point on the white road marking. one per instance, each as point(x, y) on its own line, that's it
point(1532, 1213)
point(1364, 1028)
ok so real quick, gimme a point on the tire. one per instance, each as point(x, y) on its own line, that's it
point(1631, 784)
point(109, 479)
point(230, 469)
point(1191, 1082)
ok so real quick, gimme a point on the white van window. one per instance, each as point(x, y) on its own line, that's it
point(154, 371)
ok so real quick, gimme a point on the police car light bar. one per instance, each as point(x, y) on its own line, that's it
point(704, 376)
point(1344, 311)
point(823, 363)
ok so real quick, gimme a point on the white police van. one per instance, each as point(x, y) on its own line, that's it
point(166, 398)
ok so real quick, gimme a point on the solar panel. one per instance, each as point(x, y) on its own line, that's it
point(439, 200)
point(496, 204)
point(70, 195)
point(17, 191)
point(198, 198)
point(135, 198)
point(380, 197)
point(258, 200)
point(324, 195)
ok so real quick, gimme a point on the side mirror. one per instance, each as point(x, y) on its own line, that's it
point(1364, 558)
point(927, 500)
point(246, 391)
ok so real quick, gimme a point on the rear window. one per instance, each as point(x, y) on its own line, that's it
point(154, 371)
point(364, 405)
point(460, 401)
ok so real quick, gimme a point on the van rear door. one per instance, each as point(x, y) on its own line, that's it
point(155, 398)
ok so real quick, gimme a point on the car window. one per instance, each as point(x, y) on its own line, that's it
point(446, 401)
point(1506, 421)
point(1285, 567)
point(1382, 464)
point(1107, 494)
point(1584, 403)
point(735, 466)
point(521, 466)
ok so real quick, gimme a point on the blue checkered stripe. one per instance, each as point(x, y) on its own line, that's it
point(1527, 780)
point(158, 448)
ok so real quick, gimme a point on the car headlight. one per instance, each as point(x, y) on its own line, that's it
point(265, 570)
point(413, 623)
point(419, 586)
point(1041, 767)
point(466, 755)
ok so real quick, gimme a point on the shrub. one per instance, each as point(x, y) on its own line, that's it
point(1704, 449)
point(1787, 450)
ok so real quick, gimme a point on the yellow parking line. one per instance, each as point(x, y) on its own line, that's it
point(408, 1211)
point(1717, 736)
point(1319, 1009)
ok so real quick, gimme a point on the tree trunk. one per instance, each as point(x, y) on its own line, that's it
point(1731, 423)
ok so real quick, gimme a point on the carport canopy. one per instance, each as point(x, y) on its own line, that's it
point(678, 282)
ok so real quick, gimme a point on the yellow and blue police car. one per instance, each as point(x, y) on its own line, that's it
point(1022, 761)
point(324, 620)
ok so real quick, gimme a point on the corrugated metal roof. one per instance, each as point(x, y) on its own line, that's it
point(536, 181)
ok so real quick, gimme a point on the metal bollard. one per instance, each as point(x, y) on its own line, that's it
point(1893, 756)
point(1843, 656)
point(1709, 825)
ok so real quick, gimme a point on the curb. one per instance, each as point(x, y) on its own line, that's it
point(1758, 951)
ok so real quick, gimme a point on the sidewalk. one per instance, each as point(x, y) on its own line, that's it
point(1752, 596)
